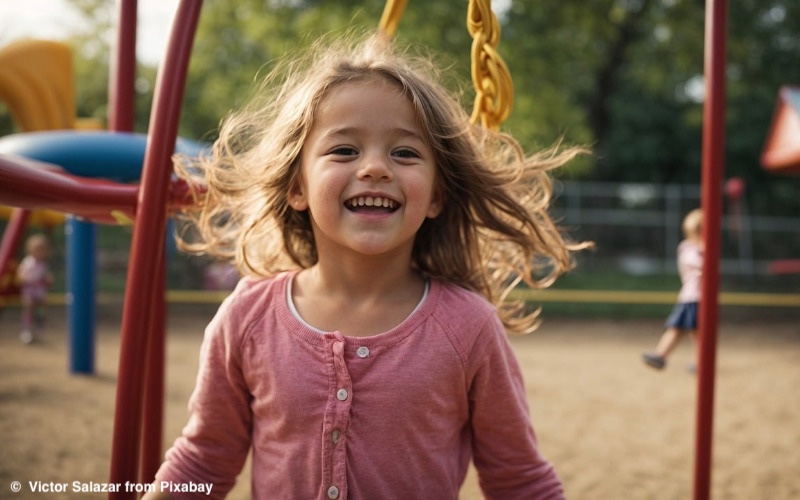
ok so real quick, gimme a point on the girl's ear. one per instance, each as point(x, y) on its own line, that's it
point(297, 198)
point(437, 202)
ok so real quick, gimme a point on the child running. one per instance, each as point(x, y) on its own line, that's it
point(364, 353)
point(35, 279)
point(683, 317)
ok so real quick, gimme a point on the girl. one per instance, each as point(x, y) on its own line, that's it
point(35, 281)
point(683, 317)
point(364, 354)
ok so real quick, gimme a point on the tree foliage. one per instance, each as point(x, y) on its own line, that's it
point(238, 41)
point(622, 76)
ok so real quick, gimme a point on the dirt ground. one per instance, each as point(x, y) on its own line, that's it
point(614, 428)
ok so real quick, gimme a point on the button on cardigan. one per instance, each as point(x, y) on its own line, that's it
point(392, 416)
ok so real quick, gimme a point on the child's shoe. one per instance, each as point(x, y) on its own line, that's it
point(654, 360)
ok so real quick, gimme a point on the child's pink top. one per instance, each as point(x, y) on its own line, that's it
point(392, 416)
point(690, 268)
point(33, 275)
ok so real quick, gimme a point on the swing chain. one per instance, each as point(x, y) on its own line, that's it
point(494, 89)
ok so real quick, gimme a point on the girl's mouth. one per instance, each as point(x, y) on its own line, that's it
point(371, 204)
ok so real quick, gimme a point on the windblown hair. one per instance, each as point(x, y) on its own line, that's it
point(494, 230)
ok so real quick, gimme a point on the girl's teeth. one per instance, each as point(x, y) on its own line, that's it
point(369, 201)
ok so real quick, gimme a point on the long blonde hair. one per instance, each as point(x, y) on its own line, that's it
point(494, 230)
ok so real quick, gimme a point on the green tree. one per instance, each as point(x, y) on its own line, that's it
point(238, 41)
point(623, 76)
point(626, 76)
point(573, 61)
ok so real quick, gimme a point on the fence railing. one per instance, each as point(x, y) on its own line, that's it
point(637, 227)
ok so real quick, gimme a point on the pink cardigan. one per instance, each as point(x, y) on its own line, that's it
point(396, 415)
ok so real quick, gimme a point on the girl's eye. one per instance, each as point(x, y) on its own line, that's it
point(406, 153)
point(343, 151)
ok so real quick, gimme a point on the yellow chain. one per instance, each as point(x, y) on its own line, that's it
point(494, 90)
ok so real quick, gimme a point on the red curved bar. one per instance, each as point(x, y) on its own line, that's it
point(144, 288)
point(33, 185)
point(12, 239)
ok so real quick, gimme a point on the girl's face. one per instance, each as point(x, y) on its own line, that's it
point(367, 176)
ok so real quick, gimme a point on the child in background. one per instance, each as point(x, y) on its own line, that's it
point(684, 315)
point(364, 353)
point(35, 281)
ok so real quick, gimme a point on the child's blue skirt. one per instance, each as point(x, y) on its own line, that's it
point(683, 316)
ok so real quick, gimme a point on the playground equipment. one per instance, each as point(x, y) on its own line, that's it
point(37, 84)
point(97, 154)
point(37, 87)
point(781, 153)
point(28, 184)
point(140, 382)
point(42, 218)
point(115, 156)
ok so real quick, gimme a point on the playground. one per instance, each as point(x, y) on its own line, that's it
point(613, 427)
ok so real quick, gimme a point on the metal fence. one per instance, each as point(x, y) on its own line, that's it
point(637, 227)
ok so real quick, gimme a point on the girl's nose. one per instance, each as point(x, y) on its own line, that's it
point(375, 167)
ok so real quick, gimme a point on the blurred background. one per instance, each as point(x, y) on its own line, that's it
point(622, 76)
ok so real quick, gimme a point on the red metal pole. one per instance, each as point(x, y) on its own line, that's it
point(147, 245)
point(122, 84)
point(713, 173)
point(153, 418)
point(12, 239)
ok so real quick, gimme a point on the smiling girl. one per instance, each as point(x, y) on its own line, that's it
point(364, 354)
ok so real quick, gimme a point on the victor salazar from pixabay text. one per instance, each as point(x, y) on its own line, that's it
point(92, 487)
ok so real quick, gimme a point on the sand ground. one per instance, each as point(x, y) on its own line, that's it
point(613, 428)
